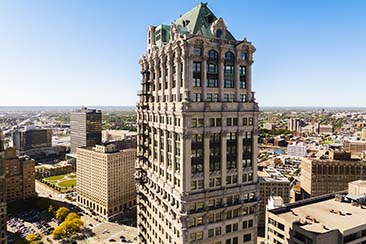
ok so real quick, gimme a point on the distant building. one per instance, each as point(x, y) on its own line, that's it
point(295, 125)
point(31, 138)
point(325, 129)
point(3, 210)
point(296, 150)
point(269, 126)
point(327, 219)
point(363, 134)
point(271, 183)
point(280, 142)
point(86, 128)
point(354, 147)
point(19, 176)
point(357, 187)
point(322, 176)
point(105, 179)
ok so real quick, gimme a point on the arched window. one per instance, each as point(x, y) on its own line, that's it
point(229, 56)
point(212, 54)
point(219, 33)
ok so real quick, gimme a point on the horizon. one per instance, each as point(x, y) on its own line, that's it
point(87, 52)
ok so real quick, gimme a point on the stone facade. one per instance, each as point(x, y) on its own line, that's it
point(105, 180)
point(19, 176)
point(197, 135)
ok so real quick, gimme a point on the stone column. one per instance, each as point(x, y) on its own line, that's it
point(248, 77)
point(254, 154)
point(223, 158)
point(173, 156)
point(163, 77)
point(156, 81)
point(204, 76)
point(237, 80)
point(170, 77)
point(221, 78)
point(206, 158)
point(177, 75)
point(239, 158)
point(159, 147)
point(186, 77)
point(186, 162)
point(165, 146)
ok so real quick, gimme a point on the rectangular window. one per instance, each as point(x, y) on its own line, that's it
point(212, 68)
point(197, 51)
point(243, 56)
point(197, 97)
point(242, 98)
point(212, 83)
point(229, 84)
point(247, 237)
point(196, 82)
point(197, 67)
point(242, 70)
point(229, 122)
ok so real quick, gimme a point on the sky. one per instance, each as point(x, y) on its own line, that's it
point(86, 52)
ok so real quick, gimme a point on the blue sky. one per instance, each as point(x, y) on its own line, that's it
point(85, 52)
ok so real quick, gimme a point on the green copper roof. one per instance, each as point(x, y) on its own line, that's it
point(198, 21)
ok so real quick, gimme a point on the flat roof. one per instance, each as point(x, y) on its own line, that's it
point(323, 214)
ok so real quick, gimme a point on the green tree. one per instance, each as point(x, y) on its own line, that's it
point(33, 238)
point(61, 213)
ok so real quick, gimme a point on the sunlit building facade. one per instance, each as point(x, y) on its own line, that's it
point(197, 134)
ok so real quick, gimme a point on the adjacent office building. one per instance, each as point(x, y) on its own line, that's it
point(105, 180)
point(86, 128)
point(19, 176)
point(197, 134)
point(322, 176)
point(31, 138)
point(271, 183)
point(3, 210)
point(327, 219)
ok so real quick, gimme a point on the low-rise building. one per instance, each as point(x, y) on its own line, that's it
point(322, 176)
point(354, 147)
point(271, 183)
point(296, 150)
point(328, 219)
point(105, 180)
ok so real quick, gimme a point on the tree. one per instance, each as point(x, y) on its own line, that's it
point(71, 225)
point(51, 209)
point(58, 232)
point(33, 238)
point(61, 213)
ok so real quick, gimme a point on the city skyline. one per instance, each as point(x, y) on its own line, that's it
point(93, 48)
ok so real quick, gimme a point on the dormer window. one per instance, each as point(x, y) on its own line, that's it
point(219, 33)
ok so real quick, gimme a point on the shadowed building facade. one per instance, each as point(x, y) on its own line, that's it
point(197, 134)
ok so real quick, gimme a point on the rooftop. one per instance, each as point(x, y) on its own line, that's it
point(270, 174)
point(322, 214)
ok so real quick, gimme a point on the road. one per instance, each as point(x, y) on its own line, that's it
point(45, 191)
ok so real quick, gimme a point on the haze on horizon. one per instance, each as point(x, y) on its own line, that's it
point(86, 52)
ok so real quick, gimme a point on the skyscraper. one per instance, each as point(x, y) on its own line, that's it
point(3, 218)
point(86, 128)
point(32, 138)
point(197, 134)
